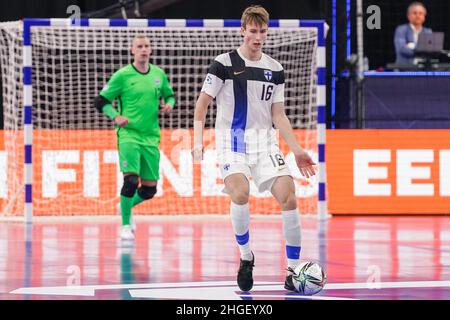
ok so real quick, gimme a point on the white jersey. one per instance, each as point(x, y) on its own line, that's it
point(245, 91)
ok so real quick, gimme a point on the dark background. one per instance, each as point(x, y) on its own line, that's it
point(378, 44)
point(228, 9)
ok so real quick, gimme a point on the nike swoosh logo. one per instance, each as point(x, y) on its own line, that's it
point(238, 72)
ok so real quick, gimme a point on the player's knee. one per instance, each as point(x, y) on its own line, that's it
point(289, 202)
point(130, 184)
point(240, 196)
point(147, 192)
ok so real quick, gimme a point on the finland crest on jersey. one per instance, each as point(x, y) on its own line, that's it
point(245, 91)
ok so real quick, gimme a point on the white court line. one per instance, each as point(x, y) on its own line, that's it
point(90, 289)
point(227, 287)
point(293, 296)
point(388, 285)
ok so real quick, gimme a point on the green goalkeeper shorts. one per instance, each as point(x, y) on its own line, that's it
point(140, 159)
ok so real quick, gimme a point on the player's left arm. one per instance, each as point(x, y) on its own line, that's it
point(282, 123)
point(168, 95)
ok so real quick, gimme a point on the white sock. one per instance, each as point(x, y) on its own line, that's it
point(292, 235)
point(240, 219)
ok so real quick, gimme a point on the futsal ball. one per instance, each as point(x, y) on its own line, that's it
point(309, 278)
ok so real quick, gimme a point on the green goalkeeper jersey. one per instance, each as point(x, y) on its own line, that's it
point(138, 95)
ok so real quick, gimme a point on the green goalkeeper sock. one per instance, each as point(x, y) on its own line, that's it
point(137, 199)
point(126, 203)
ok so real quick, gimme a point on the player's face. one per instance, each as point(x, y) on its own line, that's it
point(416, 15)
point(141, 50)
point(254, 36)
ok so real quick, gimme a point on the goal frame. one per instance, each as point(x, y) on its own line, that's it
point(29, 23)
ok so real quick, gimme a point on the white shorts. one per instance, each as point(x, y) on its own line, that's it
point(263, 167)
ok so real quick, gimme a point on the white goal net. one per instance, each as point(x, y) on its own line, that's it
point(74, 159)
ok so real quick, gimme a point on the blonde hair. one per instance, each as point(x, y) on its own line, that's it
point(139, 36)
point(255, 14)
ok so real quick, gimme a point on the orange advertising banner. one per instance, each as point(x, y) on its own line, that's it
point(3, 181)
point(388, 171)
point(368, 172)
point(75, 172)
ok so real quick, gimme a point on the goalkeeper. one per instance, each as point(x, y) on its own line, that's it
point(138, 88)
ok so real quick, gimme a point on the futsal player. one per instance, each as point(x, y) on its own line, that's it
point(138, 88)
point(248, 86)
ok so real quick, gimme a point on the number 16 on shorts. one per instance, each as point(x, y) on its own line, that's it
point(277, 161)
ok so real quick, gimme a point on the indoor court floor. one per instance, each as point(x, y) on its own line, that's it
point(196, 257)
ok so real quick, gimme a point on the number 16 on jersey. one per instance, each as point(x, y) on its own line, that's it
point(266, 92)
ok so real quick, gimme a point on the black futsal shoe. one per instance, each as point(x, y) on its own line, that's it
point(288, 283)
point(245, 274)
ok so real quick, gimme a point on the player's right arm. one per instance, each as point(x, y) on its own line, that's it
point(201, 108)
point(103, 102)
point(211, 86)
